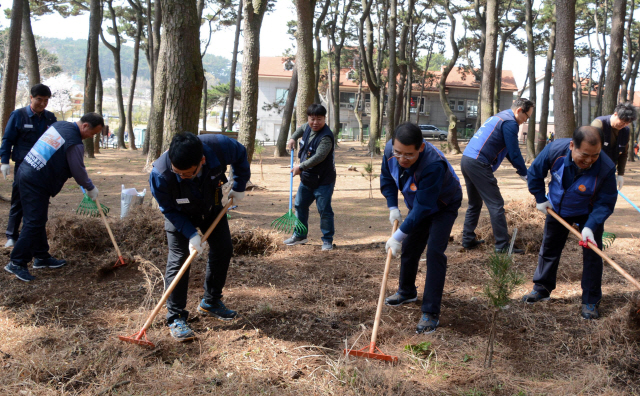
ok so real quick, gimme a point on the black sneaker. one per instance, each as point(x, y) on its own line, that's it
point(428, 323)
point(515, 250)
point(295, 240)
point(535, 296)
point(181, 331)
point(217, 310)
point(473, 244)
point(398, 299)
point(589, 311)
point(21, 273)
point(48, 262)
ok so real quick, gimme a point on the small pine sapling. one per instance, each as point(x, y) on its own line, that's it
point(369, 175)
point(258, 148)
point(503, 281)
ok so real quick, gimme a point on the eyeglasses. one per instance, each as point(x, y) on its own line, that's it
point(405, 156)
point(187, 175)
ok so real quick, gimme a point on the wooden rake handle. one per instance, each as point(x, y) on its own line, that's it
point(383, 289)
point(104, 218)
point(595, 249)
point(183, 269)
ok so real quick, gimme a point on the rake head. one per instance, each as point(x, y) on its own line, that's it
point(607, 239)
point(89, 208)
point(288, 223)
point(371, 355)
point(137, 339)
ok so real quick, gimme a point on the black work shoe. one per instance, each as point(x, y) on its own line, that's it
point(20, 272)
point(515, 250)
point(535, 296)
point(589, 311)
point(398, 299)
point(48, 262)
point(217, 310)
point(428, 323)
point(473, 244)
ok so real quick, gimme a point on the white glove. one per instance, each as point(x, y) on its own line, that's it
point(394, 215)
point(619, 179)
point(587, 236)
point(395, 246)
point(5, 168)
point(524, 178)
point(195, 243)
point(237, 196)
point(543, 207)
point(93, 194)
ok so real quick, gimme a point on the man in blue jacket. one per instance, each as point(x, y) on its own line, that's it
point(496, 140)
point(432, 193)
point(317, 172)
point(616, 134)
point(187, 183)
point(582, 190)
point(24, 128)
point(54, 158)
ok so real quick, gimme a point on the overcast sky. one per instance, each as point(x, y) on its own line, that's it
point(274, 39)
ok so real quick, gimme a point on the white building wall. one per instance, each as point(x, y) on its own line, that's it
point(269, 121)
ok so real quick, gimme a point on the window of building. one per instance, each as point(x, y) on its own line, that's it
point(460, 105)
point(413, 105)
point(472, 109)
point(281, 95)
point(351, 75)
point(347, 100)
point(551, 113)
point(452, 104)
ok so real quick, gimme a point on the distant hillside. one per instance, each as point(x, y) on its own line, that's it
point(72, 55)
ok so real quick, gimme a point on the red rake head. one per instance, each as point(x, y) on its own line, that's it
point(371, 355)
point(137, 339)
point(119, 262)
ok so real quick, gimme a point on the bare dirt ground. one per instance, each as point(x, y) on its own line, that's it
point(300, 307)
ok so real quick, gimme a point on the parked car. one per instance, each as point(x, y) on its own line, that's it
point(432, 131)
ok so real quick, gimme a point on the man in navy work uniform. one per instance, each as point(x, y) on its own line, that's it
point(317, 172)
point(582, 190)
point(57, 156)
point(616, 132)
point(24, 128)
point(496, 140)
point(187, 183)
point(432, 193)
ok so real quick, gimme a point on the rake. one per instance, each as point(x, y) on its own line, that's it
point(140, 337)
point(595, 248)
point(88, 206)
point(372, 348)
point(628, 200)
point(289, 222)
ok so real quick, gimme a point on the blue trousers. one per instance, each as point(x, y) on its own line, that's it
point(220, 252)
point(554, 239)
point(322, 195)
point(15, 213)
point(433, 233)
point(32, 241)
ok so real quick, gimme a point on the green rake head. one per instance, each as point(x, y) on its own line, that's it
point(607, 239)
point(89, 208)
point(288, 223)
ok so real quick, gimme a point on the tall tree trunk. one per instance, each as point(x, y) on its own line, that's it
point(99, 96)
point(304, 58)
point(563, 81)
point(234, 65)
point(254, 11)
point(92, 69)
point(531, 57)
point(316, 35)
point(365, 44)
point(357, 112)
point(205, 105)
point(590, 86)
point(544, 106)
point(30, 50)
point(155, 127)
point(393, 68)
point(134, 73)
point(630, 57)
point(338, 45)
point(115, 50)
point(602, 49)
point(402, 62)
point(152, 71)
point(283, 134)
point(452, 139)
point(610, 99)
point(577, 95)
point(501, 49)
point(489, 72)
point(181, 32)
point(11, 64)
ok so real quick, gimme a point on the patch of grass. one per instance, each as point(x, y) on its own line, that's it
point(422, 349)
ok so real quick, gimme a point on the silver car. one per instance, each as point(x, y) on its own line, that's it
point(432, 131)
